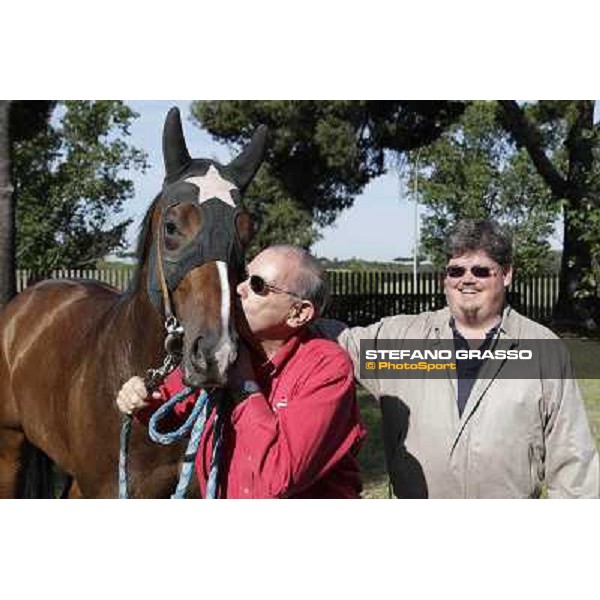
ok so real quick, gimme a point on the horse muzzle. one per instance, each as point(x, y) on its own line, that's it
point(206, 363)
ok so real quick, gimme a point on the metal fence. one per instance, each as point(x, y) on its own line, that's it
point(360, 298)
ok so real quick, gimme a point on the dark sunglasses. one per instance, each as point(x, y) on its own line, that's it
point(454, 272)
point(259, 286)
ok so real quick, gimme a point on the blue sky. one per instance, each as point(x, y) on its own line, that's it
point(379, 226)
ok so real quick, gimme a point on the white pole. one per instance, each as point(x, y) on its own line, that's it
point(416, 225)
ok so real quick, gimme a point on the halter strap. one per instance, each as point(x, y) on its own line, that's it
point(161, 273)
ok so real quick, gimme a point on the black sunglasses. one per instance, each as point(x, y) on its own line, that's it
point(259, 286)
point(455, 271)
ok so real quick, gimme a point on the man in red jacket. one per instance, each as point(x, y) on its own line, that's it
point(295, 429)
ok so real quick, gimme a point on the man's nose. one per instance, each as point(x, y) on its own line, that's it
point(469, 277)
point(242, 288)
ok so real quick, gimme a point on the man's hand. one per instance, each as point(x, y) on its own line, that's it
point(132, 396)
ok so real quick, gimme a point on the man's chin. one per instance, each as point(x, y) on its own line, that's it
point(467, 309)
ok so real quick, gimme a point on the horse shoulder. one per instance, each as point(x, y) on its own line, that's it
point(52, 322)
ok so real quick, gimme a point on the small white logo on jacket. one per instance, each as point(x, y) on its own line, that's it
point(281, 403)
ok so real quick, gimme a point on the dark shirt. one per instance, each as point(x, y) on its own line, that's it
point(468, 368)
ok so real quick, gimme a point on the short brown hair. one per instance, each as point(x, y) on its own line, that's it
point(470, 236)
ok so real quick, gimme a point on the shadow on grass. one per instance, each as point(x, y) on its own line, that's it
point(585, 354)
point(371, 456)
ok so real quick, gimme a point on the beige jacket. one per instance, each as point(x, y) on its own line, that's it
point(513, 434)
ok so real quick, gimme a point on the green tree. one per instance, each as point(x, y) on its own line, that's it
point(475, 171)
point(563, 143)
point(321, 155)
point(68, 187)
point(283, 221)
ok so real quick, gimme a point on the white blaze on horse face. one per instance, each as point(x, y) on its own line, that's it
point(212, 185)
point(225, 295)
point(225, 354)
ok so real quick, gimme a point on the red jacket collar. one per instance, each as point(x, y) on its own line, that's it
point(272, 366)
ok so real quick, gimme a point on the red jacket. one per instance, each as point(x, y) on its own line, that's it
point(297, 438)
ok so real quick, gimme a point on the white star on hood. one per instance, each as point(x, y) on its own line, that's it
point(213, 185)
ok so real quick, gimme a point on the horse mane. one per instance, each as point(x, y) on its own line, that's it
point(144, 243)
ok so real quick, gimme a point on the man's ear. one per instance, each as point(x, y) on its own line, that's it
point(507, 276)
point(301, 314)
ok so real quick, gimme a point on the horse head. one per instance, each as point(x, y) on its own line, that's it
point(199, 235)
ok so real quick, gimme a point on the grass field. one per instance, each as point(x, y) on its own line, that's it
point(371, 455)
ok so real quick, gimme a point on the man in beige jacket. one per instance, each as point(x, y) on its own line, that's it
point(477, 434)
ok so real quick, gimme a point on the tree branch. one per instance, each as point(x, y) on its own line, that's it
point(526, 135)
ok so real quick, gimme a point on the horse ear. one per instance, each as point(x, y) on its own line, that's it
point(175, 152)
point(243, 168)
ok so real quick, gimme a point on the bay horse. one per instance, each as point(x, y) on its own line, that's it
point(66, 347)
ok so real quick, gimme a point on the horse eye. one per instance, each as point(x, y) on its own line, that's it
point(170, 228)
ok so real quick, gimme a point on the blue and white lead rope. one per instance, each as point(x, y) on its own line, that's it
point(197, 420)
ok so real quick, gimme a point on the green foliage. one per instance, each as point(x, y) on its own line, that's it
point(321, 154)
point(474, 171)
point(29, 117)
point(283, 221)
point(68, 186)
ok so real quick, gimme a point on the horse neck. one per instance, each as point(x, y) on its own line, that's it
point(142, 326)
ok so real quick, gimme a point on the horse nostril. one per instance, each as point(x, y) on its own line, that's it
point(197, 354)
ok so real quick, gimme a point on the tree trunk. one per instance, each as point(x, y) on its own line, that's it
point(7, 211)
point(575, 307)
point(577, 292)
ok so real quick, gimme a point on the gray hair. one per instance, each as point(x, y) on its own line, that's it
point(471, 236)
point(311, 280)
